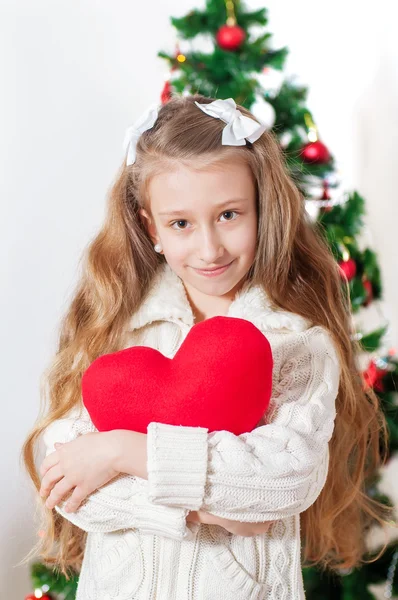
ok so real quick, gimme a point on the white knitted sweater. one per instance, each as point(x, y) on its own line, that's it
point(139, 545)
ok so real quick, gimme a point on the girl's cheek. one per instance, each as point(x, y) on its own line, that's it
point(177, 248)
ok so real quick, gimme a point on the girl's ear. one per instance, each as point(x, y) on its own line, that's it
point(149, 225)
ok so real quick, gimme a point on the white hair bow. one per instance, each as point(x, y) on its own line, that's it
point(146, 121)
point(239, 128)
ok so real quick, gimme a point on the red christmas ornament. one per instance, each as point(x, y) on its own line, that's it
point(369, 291)
point(348, 268)
point(373, 377)
point(325, 196)
point(315, 152)
point(230, 37)
point(33, 597)
point(166, 93)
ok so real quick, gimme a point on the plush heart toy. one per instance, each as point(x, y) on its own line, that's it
point(219, 378)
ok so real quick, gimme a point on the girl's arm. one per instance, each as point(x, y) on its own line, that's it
point(131, 457)
point(235, 527)
point(276, 470)
point(121, 503)
point(88, 462)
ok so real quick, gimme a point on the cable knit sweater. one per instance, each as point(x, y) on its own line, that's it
point(139, 545)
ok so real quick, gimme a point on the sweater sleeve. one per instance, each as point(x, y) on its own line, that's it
point(276, 470)
point(122, 502)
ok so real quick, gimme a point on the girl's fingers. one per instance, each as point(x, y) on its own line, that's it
point(76, 499)
point(192, 516)
point(59, 491)
point(50, 460)
point(53, 475)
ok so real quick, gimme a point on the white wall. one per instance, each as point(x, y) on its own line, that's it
point(74, 75)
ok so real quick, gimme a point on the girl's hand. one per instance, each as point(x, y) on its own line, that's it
point(82, 465)
point(235, 527)
point(247, 529)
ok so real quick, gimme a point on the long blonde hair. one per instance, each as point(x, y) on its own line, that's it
point(297, 271)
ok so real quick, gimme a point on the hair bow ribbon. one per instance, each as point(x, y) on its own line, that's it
point(146, 121)
point(239, 128)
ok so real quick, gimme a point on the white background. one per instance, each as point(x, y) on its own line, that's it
point(74, 75)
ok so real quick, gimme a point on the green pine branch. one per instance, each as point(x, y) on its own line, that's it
point(54, 581)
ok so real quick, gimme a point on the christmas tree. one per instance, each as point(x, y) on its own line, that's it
point(223, 51)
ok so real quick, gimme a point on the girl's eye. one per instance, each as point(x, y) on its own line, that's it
point(181, 221)
point(227, 212)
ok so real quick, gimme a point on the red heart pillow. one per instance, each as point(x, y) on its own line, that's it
point(220, 378)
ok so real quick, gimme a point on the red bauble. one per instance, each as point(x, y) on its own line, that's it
point(369, 291)
point(166, 92)
point(230, 37)
point(373, 377)
point(315, 152)
point(348, 268)
point(33, 597)
point(325, 196)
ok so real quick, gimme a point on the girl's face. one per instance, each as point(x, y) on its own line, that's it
point(202, 220)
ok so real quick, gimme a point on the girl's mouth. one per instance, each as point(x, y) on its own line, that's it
point(215, 272)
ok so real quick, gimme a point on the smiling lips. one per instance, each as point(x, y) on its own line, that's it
point(213, 272)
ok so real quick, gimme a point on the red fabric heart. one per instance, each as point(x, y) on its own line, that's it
point(220, 378)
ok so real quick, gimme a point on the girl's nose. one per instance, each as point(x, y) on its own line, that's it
point(210, 250)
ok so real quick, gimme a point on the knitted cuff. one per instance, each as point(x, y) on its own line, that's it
point(160, 520)
point(177, 464)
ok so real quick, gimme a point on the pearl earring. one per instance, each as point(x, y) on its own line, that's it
point(157, 247)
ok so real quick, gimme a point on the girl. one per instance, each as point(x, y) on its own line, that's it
point(181, 512)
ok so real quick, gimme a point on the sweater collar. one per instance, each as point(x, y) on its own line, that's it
point(167, 301)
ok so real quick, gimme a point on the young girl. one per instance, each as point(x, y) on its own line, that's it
point(180, 512)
